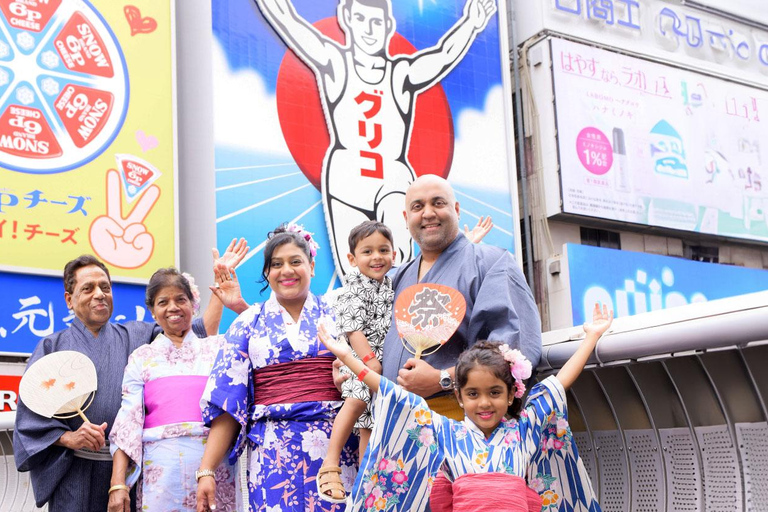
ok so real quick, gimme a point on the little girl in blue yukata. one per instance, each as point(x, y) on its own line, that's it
point(497, 446)
point(363, 316)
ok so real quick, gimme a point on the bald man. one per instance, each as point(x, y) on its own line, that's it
point(500, 305)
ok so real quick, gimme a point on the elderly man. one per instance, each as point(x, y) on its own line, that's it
point(500, 306)
point(69, 463)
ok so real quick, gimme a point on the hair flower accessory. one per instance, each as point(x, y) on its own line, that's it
point(306, 235)
point(519, 366)
point(195, 292)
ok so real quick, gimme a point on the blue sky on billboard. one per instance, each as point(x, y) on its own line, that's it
point(260, 185)
point(423, 23)
point(635, 282)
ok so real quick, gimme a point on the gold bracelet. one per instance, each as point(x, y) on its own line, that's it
point(119, 487)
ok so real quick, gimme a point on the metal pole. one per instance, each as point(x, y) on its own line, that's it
point(521, 147)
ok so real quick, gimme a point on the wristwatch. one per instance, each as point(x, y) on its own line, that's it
point(200, 473)
point(446, 382)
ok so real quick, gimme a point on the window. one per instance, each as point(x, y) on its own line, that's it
point(600, 238)
point(701, 253)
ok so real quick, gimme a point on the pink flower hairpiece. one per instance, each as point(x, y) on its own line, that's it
point(306, 235)
point(519, 366)
point(195, 292)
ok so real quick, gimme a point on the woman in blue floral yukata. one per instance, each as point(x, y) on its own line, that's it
point(271, 389)
point(497, 446)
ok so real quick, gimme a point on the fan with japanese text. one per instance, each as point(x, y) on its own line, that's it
point(427, 315)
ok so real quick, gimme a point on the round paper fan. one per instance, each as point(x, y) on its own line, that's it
point(427, 315)
point(59, 385)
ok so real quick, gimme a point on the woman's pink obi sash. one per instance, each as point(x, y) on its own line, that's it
point(483, 492)
point(174, 399)
point(304, 380)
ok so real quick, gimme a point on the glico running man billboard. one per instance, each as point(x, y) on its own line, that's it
point(325, 111)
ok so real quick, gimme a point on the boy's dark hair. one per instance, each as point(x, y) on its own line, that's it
point(281, 236)
point(166, 277)
point(366, 229)
point(71, 268)
point(487, 354)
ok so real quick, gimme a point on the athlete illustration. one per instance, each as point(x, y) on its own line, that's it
point(368, 99)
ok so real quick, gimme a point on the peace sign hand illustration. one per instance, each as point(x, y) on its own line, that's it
point(123, 241)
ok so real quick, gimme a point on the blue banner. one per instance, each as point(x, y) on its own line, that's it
point(635, 282)
point(33, 307)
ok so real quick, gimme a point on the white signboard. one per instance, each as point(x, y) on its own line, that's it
point(650, 144)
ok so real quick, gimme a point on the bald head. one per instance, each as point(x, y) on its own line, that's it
point(432, 214)
point(429, 180)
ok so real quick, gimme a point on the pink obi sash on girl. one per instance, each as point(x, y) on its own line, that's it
point(304, 380)
point(483, 492)
point(174, 399)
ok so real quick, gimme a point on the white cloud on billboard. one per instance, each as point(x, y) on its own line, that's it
point(481, 132)
point(245, 113)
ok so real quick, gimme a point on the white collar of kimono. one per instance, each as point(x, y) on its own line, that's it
point(274, 307)
point(186, 341)
point(475, 430)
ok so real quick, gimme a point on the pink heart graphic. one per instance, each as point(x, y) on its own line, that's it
point(146, 142)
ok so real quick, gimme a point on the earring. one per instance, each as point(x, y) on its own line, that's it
point(461, 405)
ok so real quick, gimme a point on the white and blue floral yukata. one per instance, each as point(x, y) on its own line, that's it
point(287, 440)
point(409, 443)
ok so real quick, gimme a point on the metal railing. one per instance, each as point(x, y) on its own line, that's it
point(15, 488)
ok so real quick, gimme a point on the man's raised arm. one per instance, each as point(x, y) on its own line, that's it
point(312, 46)
point(433, 64)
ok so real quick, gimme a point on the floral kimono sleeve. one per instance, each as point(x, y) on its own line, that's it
point(230, 386)
point(555, 472)
point(128, 427)
point(403, 455)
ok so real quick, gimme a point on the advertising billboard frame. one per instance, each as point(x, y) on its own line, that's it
point(555, 200)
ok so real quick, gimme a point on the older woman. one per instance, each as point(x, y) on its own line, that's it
point(271, 389)
point(159, 430)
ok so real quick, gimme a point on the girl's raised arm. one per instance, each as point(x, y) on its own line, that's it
point(341, 350)
point(601, 321)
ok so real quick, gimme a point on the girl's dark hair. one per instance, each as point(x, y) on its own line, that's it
point(366, 229)
point(281, 236)
point(487, 354)
point(167, 277)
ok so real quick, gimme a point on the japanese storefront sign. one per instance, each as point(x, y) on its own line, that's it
point(640, 282)
point(86, 135)
point(650, 144)
point(330, 157)
point(667, 31)
point(32, 307)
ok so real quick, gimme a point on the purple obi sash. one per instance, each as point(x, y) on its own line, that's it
point(174, 399)
point(304, 380)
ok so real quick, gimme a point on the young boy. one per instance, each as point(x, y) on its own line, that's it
point(364, 314)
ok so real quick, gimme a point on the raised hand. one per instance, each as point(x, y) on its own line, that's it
point(484, 225)
point(227, 287)
point(479, 12)
point(123, 241)
point(601, 320)
point(339, 348)
point(233, 255)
